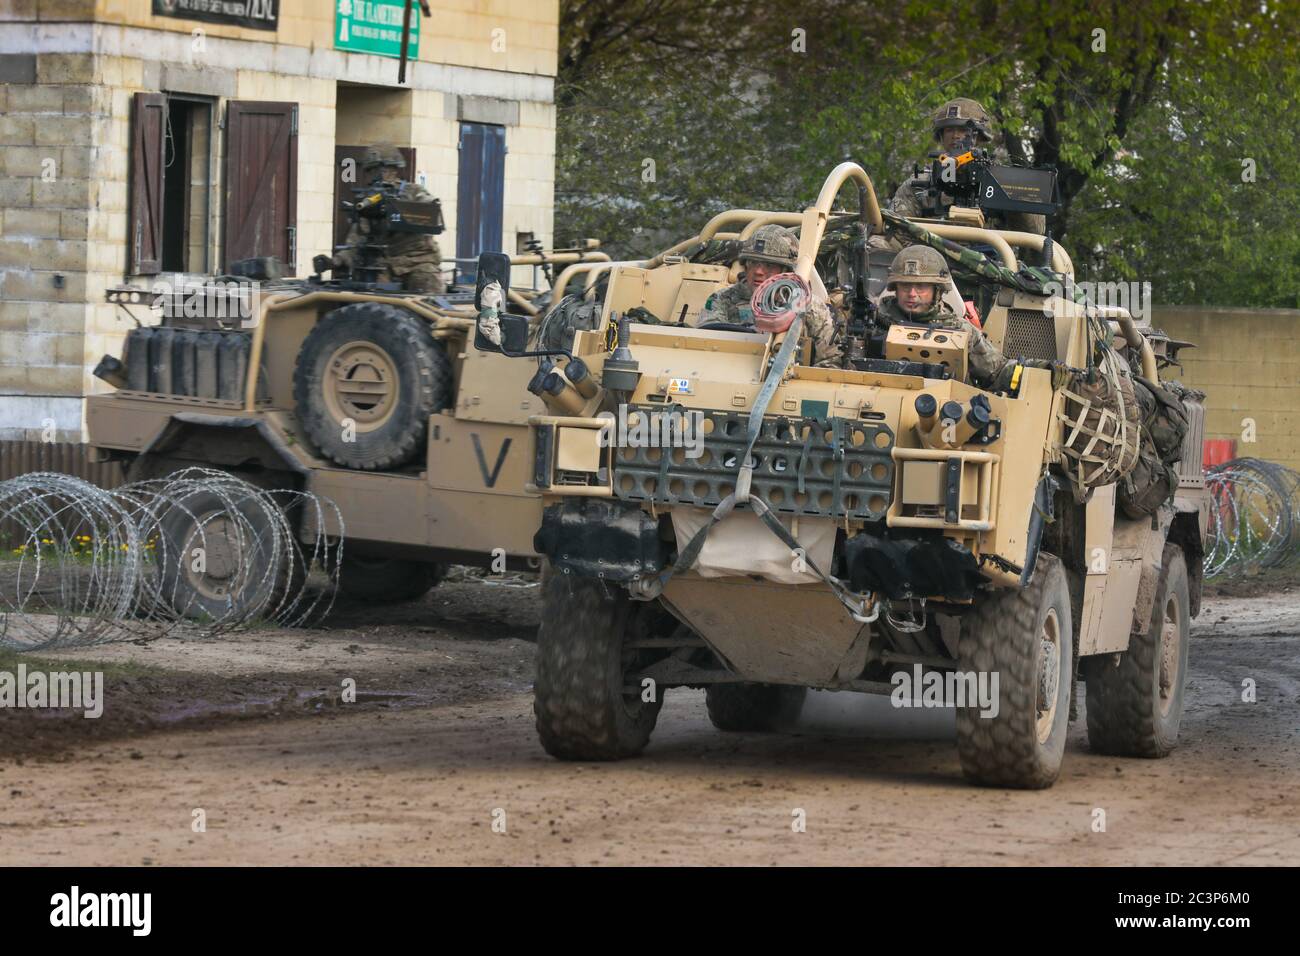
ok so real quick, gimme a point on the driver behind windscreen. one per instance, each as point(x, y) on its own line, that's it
point(919, 277)
point(770, 251)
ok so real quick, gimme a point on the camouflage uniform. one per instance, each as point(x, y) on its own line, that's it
point(911, 198)
point(410, 258)
point(775, 244)
point(989, 368)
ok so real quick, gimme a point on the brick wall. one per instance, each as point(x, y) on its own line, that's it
point(1248, 363)
point(50, 185)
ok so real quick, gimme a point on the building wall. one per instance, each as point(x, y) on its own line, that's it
point(68, 72)
point(1247, 362)
point(460, 33)
point(48, 197)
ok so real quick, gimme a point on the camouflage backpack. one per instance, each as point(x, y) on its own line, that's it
point(1153, 480)
point(570, 314)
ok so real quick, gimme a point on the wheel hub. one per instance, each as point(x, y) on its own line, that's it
point(1049, 674)
point(212, 556)
point(359, 384)
point(1170, 630)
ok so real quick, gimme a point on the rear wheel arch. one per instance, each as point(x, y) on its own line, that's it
point(246, 447)
point(1185, 532)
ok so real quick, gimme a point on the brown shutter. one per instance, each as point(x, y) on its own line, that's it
point(145, 240)
point(262, 182)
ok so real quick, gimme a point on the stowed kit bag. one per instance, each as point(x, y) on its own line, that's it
point(1099, 442)
point(573, 312)
point(1152, 481)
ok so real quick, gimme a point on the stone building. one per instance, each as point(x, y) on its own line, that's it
point(142, 138)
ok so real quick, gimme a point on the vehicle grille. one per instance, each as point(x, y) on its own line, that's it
point(1189, 469)
point(1030, 335)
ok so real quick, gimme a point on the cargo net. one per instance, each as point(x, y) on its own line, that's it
point(819, 467)
point(200, 551)
point(1101, 434)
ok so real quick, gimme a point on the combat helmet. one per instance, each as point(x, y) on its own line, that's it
point(920, 265)
point(377, 156)
point(771, 243)
point(963, 112)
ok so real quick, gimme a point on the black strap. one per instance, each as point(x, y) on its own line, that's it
point(803, 459)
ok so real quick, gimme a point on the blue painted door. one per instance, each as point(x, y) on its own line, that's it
point(480, 192)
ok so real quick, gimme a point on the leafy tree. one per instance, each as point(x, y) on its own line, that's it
point(1147, 112)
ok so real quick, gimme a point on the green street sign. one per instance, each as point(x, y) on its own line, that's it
point(375, 26)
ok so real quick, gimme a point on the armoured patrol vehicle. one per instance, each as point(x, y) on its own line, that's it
point(348, 388)
point(721, 514)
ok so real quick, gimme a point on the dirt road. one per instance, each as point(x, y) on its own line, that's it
point(440, 745)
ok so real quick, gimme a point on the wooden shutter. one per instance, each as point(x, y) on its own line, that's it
point(262, 182)
point(147, 157)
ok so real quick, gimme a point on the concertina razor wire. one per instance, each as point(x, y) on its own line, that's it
point(201, 551)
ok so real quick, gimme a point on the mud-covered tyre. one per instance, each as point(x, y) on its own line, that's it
point(217, 569)
point(579, 699)
point(1135, 705)
point(753, 708)
point(1025, 636)
point(367, 379)
point(387, 580)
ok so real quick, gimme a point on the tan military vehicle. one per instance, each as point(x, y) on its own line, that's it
point(354, 391)
point(720, 514)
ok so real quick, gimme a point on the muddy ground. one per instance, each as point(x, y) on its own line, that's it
point(440, 743)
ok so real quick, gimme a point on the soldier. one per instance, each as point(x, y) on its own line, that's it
point(410, 258)
point(919, 277)
point(772, 250)
point(958, 125)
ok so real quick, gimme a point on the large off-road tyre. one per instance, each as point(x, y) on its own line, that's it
point(387, 580)
point(579, 698)
point(1135, 705)
point(367, 379)
point(754, 708)
point(1025, 636)
point(215, 568)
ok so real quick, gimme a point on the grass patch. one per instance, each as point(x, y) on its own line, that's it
point(10, 659)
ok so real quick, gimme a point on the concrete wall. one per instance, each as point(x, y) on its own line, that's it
point(1248, 362)
point(68, 70)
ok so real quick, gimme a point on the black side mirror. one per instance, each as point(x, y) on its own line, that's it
point(510, 335)
point(514, 336)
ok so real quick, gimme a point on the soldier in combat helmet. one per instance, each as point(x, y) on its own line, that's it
point(409, 258)
point(770, 251)
point(958, 125)
point(919, 277)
